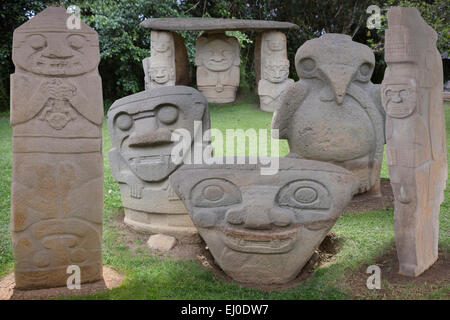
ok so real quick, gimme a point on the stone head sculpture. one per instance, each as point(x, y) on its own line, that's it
point(217, 60)
point(158, 73)
point(263, 229)
point(47, 47)
point(333, 113)
point(141, 128)
point(415, 136)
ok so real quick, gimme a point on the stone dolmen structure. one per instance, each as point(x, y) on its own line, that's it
point(264, 228)
point(141, 126)
point(168, 64)
point(415, 134)
point(334, 113)
point(57, 175)
point(217, 55)
point(273, 69)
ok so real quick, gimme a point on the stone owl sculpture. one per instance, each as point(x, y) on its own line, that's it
point(334, 113)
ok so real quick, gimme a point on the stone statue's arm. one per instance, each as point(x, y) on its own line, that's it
point(291, 99)
point(26, 104)
point(124, 176)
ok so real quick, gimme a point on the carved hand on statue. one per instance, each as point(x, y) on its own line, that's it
point(59, 90)
point(135, 185)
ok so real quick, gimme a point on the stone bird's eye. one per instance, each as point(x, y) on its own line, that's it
point(215, 192)
point(307, 65)
point(124, 121)
point(168, 114)
point(365, 71)
point(304, 194)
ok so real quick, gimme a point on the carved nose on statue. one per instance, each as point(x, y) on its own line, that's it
point(150, 138)
point(257, 218)
point(217, 58)
point(57, 52)
point(397, 99)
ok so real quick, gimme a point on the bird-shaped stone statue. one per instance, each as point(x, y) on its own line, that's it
point(334, 113)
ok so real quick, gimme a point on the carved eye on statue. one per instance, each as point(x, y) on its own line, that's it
point(404, 94)
point(364, 72)
point(76, 41)
point(124, 121)
point(388, 93)
point(307, 65)
point(215, 192)
point(304, 194)
point(168, 114)
point(37, 42)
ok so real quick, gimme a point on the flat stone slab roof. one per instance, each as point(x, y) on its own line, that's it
point(203, 24)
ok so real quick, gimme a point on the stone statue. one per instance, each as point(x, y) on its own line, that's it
point(217, 60)
point(275, 70)
point(334, 113)
point(415, 137)
point(141, 128)
point(57, 174)
point(168, 64)
point(263, 229)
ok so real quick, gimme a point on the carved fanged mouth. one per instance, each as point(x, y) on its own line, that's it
point(260, 242)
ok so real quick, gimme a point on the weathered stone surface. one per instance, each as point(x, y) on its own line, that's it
point(161, 242)
point(200, 24)
point(264, 228)
point(334, 113)
point(168, 64)
point(274, 70)
point(217, 60)
point(415, 134)
point(57, 174)
point(141, 127)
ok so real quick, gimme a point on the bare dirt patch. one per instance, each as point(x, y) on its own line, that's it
point(366, 202)
point(111, 279)
point(396, 286)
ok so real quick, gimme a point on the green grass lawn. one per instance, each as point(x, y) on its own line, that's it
point(363, 238)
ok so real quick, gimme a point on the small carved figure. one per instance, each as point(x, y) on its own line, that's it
point(217, 60)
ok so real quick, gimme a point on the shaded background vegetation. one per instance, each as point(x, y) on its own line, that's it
point(123, 44)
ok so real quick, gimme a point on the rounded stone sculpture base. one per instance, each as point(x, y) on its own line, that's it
point(8, 291)
point(158, 211)
point(179, 226)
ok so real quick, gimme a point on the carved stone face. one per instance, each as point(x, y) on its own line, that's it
point(276, 41)
point(161, 74)
point(56, 53)
point(142, 125)
point(276, 71)
point(263, 229)
point(399, 99)
point(218, 55)
point(161, 41)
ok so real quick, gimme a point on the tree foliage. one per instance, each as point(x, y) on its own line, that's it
point(123, 44)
